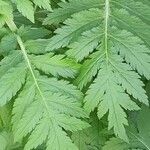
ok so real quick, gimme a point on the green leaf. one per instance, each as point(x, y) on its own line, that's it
point(44, 3)
point(70, 74)
point(67, 9)
point(30, 33)
point(8, 43)
point(5, 12)
point(36, 46)
point(26, 8)
point(6, 140)
point(60, 86)
point(133, 50)
point(58, 104)
point(114, 53)
point(89, 69)
point(89, 40)
point(11, 83)
point(10, 61)
point(114, 144)
point(24, 99)
point(138, 134)
point(109, 96)
point(74, 27)
point(58, 139)
point(56, 65)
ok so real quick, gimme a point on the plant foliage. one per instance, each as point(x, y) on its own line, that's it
point(74, 74)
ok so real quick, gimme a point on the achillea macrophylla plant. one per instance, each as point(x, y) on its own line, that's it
point(74, 74)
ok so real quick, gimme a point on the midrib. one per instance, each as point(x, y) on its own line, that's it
point(106, 16)
point(31, 70)
point(14, 28)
